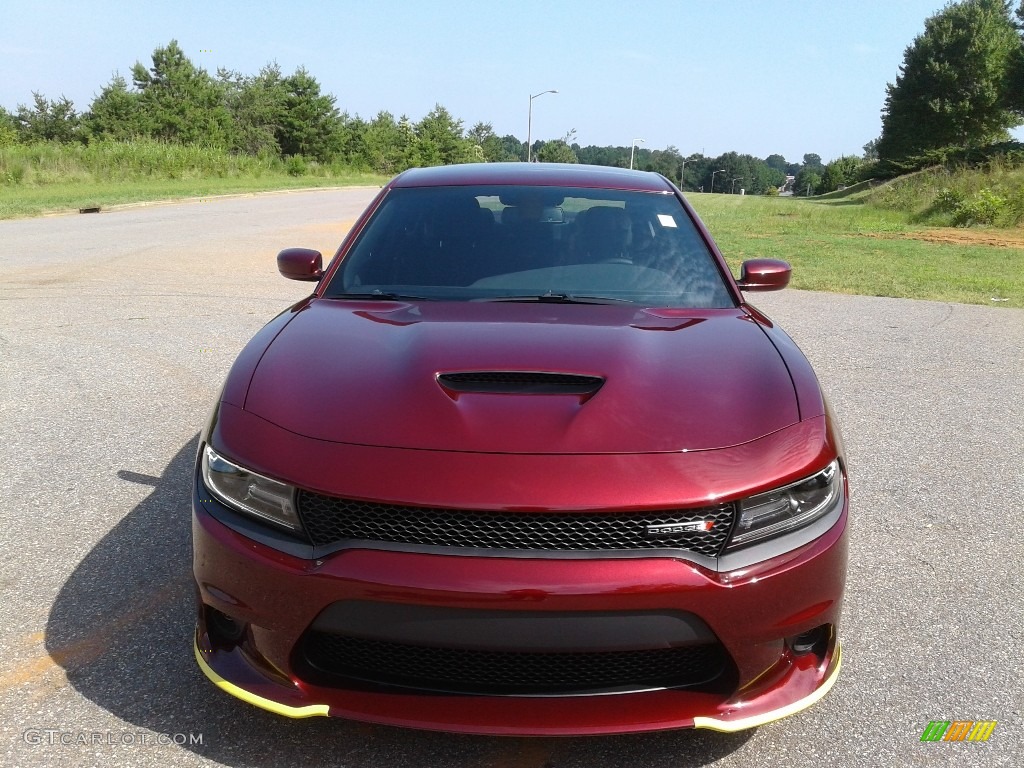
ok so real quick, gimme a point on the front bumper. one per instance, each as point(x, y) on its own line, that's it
point(583, 716)
point(274, 598)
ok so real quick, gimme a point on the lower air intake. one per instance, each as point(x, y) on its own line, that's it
point(510, 673)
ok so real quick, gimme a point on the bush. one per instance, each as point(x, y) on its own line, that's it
point(949, 200)
point(14, 175)
point(8, 134)
point(295, 165)
point(980, 207)
point(984, 207)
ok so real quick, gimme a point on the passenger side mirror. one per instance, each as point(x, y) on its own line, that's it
point(300, 264)
point(764, 275)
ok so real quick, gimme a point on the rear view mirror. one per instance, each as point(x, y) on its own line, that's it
point(300, 264)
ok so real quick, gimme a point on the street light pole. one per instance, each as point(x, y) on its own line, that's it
point(732, 190)
point(633, 151)
point(682, 175)
point(529, 125)
point(713, 179)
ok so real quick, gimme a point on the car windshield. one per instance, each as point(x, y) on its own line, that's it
point(523, 243)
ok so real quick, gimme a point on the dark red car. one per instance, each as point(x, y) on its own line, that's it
point(525, 462)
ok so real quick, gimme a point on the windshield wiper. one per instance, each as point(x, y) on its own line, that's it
point(381, 296)
point(562, 298)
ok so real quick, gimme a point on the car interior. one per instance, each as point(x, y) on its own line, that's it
point(463, 243)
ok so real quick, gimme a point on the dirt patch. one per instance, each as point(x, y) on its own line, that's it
point(1008, 238)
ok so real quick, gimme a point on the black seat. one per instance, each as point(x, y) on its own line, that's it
point(605, 236)
point(526, 242)
point(453, 236)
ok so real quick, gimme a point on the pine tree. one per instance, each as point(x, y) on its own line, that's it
point(310, 125)
point(47, 120)
point(951, 91)
point(257, 107)
point(116, 113)
point(181, 103)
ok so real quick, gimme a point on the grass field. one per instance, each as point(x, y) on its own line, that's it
point(51, 178)
point(846, 245)
point(38, 200)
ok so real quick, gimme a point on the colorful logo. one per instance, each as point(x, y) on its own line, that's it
point(958, 730)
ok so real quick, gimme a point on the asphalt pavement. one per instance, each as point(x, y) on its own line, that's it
point(116, 331)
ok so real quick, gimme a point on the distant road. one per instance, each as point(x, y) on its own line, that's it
point(257, 221)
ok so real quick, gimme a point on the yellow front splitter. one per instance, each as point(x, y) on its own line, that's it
point(310, 710)
point(710, 723)
point(731, 726)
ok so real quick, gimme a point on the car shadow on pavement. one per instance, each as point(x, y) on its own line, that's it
point(121, 627)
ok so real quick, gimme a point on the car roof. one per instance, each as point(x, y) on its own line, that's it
point(533, 174)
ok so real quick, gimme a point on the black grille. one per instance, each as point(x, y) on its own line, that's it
point(521, 382)
point(488, 672)
point(329, 520)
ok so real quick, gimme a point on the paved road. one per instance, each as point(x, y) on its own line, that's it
point(115, 332)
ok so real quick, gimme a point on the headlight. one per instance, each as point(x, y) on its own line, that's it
point(783, 510)
point(248, 492)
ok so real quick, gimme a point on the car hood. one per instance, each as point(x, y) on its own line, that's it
point(670, 380)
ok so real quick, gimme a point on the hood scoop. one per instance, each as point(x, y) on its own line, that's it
point(519, 383)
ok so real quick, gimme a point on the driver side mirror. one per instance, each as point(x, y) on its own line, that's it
point(300, 264)
point(764, 275)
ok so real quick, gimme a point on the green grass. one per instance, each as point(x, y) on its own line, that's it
point(34, 201)
point(44, 178)
point(989, 195)
point(849, 246)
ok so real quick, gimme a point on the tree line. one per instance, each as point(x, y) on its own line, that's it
point(288, 116)
point(959, 92)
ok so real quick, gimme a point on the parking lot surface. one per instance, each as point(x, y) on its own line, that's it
point(116, 331)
